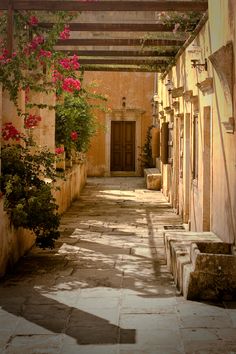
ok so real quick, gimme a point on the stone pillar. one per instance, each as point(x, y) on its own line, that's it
point(9, 111)
point(44, 133)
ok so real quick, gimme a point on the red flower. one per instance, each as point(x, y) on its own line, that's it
point(32, 121)
point(74, 135)
point(65, 34)
point(31, 47)
point(71, 85)
point(33, 21)
point(5, 58)
point(70, 63)
point(56, 76)
point(10, 132)
point(45, 53)
point(27, 92)
point(59, 150)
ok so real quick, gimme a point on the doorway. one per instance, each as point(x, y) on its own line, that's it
point(123, 146)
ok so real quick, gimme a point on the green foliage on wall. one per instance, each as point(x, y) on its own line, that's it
point(28, 195)
point(146, 150)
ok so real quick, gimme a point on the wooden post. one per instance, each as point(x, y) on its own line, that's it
point(10, 28)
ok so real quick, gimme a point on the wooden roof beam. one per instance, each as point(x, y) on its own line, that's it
point(161, 5)
point(116, 27)
point(119, 53)
point(118, 42)
point(121, 69)
point(123, 61)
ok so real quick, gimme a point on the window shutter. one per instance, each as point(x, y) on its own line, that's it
point(164, 142)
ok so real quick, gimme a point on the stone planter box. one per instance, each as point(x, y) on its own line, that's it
point(212, 275)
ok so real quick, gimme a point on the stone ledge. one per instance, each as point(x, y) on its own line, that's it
point(153, 178)
point(178, 252)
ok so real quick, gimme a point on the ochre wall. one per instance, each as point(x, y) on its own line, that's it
point(224, 144)
point(208, 202)
point(15, 243)
point(138, 90)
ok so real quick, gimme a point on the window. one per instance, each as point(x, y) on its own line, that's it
point(181, 149)
point(195, 146)
point(170, 143)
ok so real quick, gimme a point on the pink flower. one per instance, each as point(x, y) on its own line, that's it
point(27, 91)
point(74, 135)
point(33, 21)
point(65, 34)
point(56, 76)
point(10, 132)
point(71, 85)
point(59, 150)
point(45, 53)
point(32, 121)
point(70, 63)
point(5, 58)
point(34, 44)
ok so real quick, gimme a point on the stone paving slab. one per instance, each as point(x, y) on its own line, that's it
point(106, 288)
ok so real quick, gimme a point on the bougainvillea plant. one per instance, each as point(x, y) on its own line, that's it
point(33, 67)
point(28, 197)
point(184, 22)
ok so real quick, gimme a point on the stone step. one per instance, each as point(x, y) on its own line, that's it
point(152, 178)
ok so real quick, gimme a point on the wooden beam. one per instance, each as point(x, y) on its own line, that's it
point(161, 5)
point(115, 27)
point(10, 28)
point(118, 42)
point(122, 69)
point(123, 61)
point(119, 53)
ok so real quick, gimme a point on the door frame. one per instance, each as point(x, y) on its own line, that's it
point(128, 115)
point(122, 128)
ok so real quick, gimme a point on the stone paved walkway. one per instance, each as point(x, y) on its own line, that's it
point(106, 289)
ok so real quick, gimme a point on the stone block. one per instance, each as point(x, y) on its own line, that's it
point(178, 252)
point(152, 178)
point(213, 274)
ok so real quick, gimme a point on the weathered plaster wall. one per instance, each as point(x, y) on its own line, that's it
point(70, 188)
point(138, 90)
point(208, 201)
point(224, 144)
point(15, 243)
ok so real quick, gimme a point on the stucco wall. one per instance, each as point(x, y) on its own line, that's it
point(15, 243)
point(209, 201)
point(224, 144)
point(70, 188)
point(138, 90)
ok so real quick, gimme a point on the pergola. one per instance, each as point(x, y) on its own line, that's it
point(111, 35)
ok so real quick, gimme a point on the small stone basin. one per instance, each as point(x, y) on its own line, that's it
point(213, 273)
point(214, 247)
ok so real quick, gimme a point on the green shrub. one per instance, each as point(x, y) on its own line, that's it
point(28, 197)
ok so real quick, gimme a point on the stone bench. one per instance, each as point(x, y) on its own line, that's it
point(153, 178)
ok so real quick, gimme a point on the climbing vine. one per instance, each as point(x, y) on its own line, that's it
point(146, 150)
point(33, 67)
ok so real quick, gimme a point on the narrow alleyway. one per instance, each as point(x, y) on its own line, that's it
point(105, 289)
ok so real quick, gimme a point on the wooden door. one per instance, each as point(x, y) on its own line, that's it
point(122, 146)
